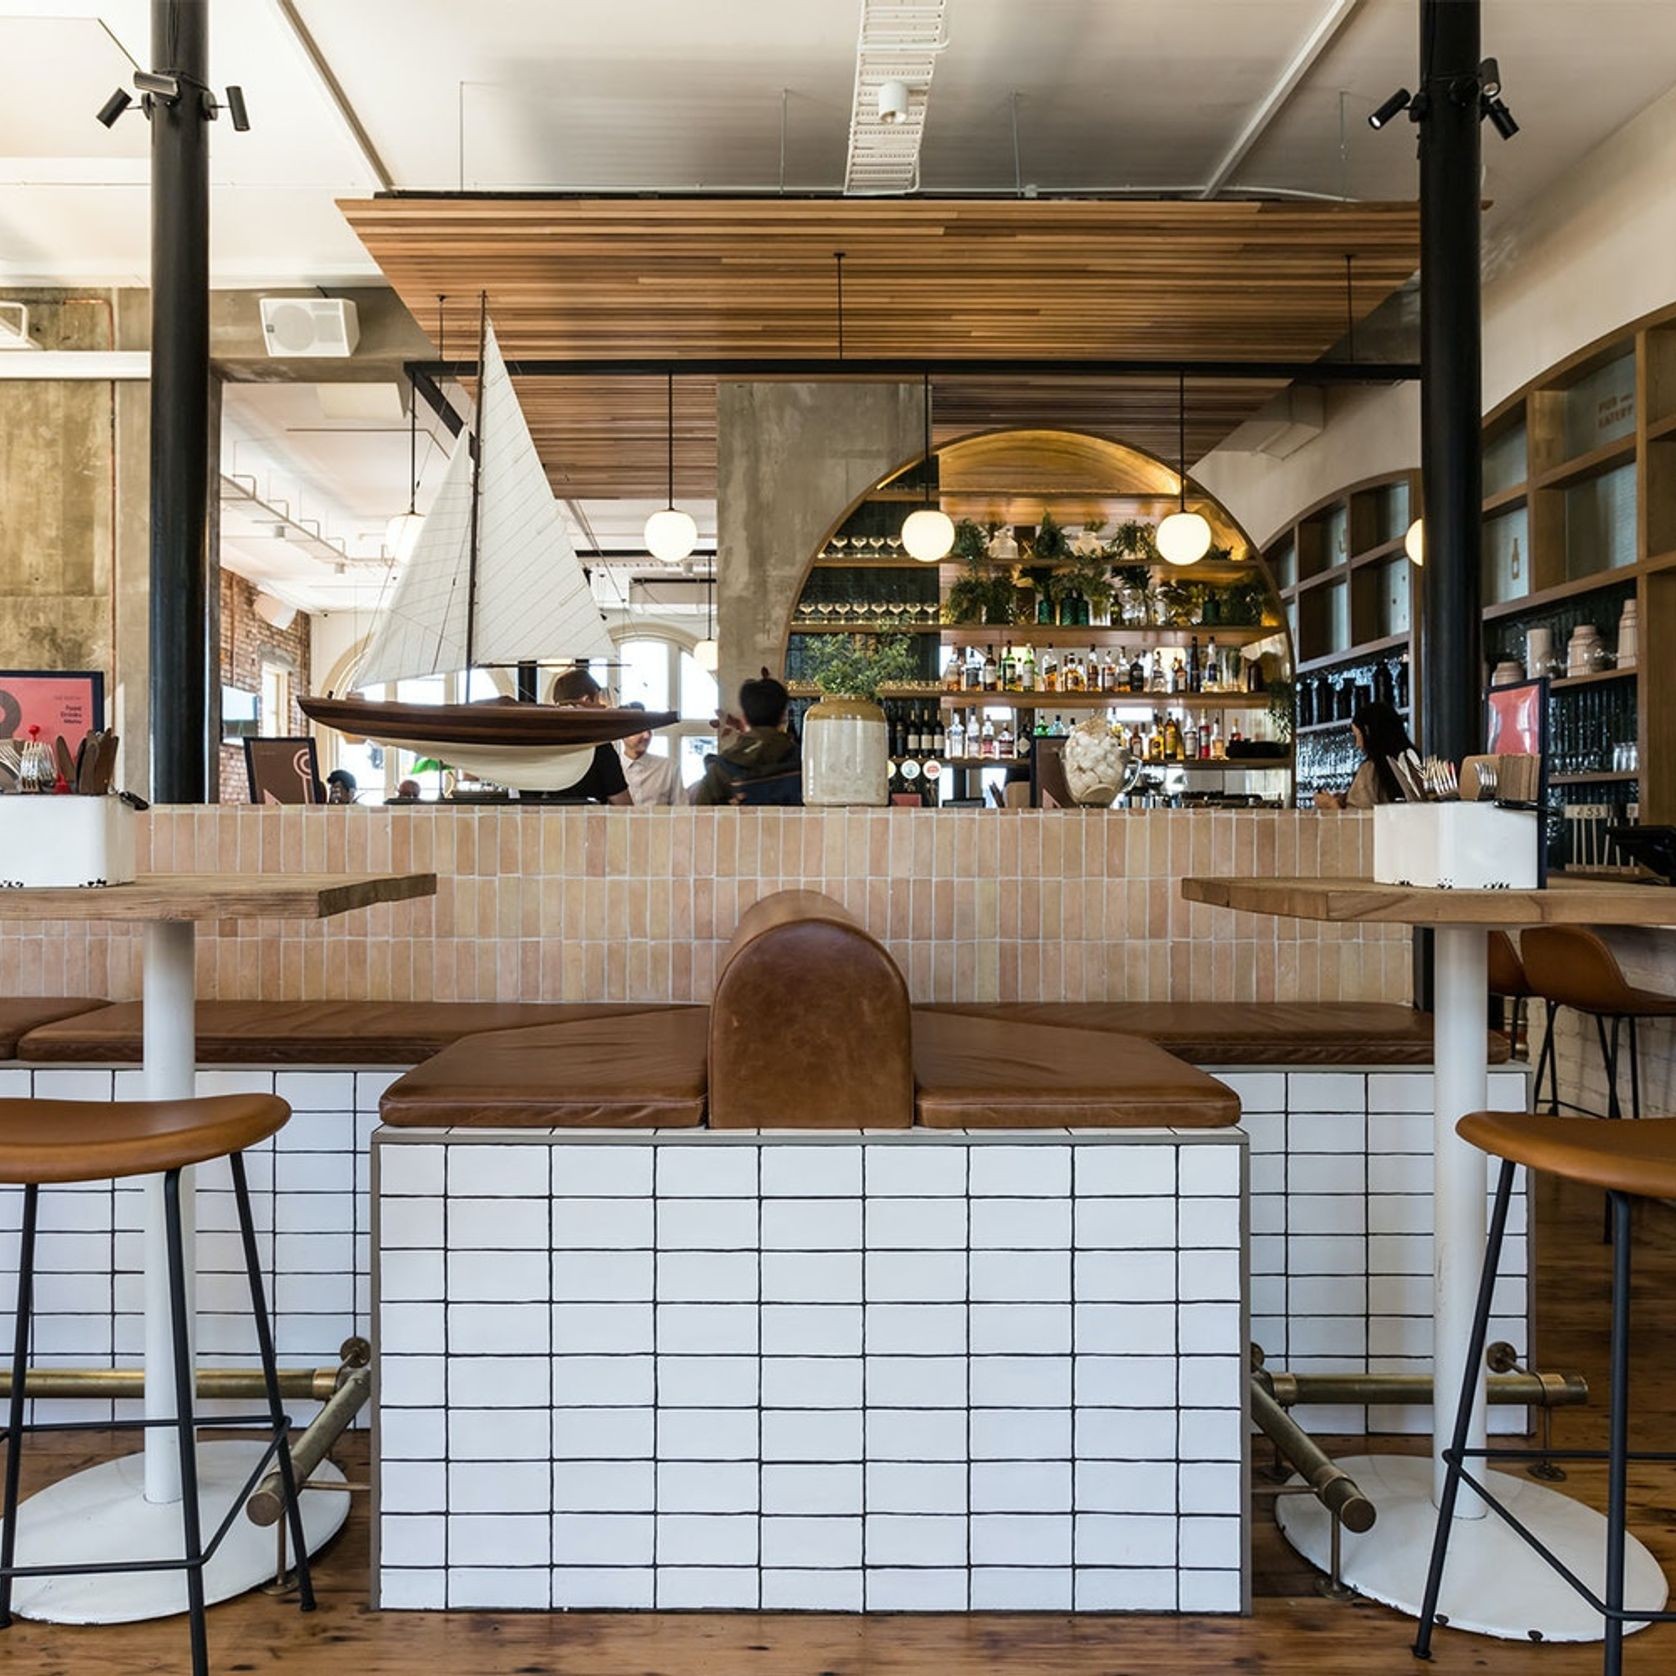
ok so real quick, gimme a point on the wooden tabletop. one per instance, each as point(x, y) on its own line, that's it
point(212, 896)
point(1564, 902)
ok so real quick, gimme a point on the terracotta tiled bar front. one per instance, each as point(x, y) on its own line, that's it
point(604, 904)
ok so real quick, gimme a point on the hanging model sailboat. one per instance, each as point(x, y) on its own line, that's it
point(492, 580)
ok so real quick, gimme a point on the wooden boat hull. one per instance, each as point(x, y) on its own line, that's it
point(535, 747)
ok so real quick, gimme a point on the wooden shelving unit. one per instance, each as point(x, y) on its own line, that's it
point(1104, 701)
point(1579, 511)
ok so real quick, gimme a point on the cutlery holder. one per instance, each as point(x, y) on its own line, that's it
point(53, 842)
point(1455, 846)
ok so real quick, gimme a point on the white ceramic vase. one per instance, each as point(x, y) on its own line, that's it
point(846, 754)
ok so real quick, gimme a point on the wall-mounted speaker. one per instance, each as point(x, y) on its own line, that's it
point(299, 326)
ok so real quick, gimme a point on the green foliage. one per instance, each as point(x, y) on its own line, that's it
point(971, 542)
point(1245, 602)
point(1281, 712)
point(1051, 545)
point(857, 666)
point(1136, 541)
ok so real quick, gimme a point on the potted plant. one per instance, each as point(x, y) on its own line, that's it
point(1039, 579)
point(846, 740)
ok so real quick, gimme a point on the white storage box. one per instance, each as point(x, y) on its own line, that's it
point(48, 841)
point(1455, 846)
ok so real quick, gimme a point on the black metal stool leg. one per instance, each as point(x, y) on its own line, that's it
point(1613, 1108)
point(1634, 1071)
point(1547, 1057)
point(184, 1425)
point(14, 1416)
point(1463, 1410)
point(276, 1410)
point(1618, 1437)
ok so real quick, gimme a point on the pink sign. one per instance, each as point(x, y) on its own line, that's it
point(71, 703)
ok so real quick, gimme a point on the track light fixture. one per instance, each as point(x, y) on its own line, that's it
point(154, 85)
point(1485, 87)
point(1399, 102)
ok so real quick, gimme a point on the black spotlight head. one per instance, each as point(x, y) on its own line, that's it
point(235, 108)
point(1501, 118)
point(158, 84)
point(114, 106)
point(1489, 78)
point(1398, 102)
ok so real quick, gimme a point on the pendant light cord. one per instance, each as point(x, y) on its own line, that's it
point(669, 435)
point(1181, 435)
point(412, 446)
point(927, 405)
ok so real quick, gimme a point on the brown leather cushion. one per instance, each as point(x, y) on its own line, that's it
point(809, 1023)
point(1574, 966)
point(1507, 970)
point(1245, 1033)
point(971, 1075)
point(640, 1071)
point(1637, 1157)
point(19, 1017)
point(306, 1032)
point(95, 1140)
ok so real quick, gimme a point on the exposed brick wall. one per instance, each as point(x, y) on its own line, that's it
point(246, 644)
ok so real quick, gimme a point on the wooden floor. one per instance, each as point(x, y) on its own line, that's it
point(1294, 1632)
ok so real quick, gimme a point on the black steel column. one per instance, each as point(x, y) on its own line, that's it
point(180, 651)
point(1451, 416)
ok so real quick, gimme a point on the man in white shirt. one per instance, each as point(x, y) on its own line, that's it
point(651, 779)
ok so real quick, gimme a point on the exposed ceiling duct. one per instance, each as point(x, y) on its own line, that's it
point(894, 58)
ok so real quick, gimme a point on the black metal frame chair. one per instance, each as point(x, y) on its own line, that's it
point(185, 1424)
point(1617, 1455)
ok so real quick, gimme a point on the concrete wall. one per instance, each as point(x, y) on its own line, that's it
point(791, 458)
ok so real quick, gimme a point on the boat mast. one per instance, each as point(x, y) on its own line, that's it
point(476, 491)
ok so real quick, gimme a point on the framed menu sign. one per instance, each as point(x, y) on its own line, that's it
point(70, 702)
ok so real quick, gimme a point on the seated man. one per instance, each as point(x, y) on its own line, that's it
point(651, 779)
point(604, 781)
point(762, 765)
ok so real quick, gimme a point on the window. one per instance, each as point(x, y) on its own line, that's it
point(275, 700)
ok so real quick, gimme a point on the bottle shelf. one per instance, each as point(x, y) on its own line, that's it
point(1104, 701)
point(870, 626)
point(1044, 634)
point(1601, 778)
point(1562, 683)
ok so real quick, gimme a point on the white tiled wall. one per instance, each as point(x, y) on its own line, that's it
point(1341, 1232)
point(915, 1372)
point(309, 1199)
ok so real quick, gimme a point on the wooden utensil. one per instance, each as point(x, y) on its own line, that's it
point(65, 763)
point(104, 766)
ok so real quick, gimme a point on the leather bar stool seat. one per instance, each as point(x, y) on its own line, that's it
point(1509, 980)
point(58, 1142)
point(1630, 1161)
point(100, 1140)
point(1571, 966)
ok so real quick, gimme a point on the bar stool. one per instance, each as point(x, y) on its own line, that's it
point(44, 1142)
point(1509, 981)
point(1569, 966)
point(1629, 1162)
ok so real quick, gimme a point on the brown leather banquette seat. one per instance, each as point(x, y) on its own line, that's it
point(23, 1016)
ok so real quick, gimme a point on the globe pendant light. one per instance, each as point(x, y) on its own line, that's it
point(403, 530)
point(1184, 537)
point(671, 534)
point(928, 532)
point(1414, 543)
point(705, 653)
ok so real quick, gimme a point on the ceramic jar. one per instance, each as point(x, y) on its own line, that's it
point(1629, 635)
point(1585, 655)
point(1508, 673)
point(846, 754)
point(1539, 652)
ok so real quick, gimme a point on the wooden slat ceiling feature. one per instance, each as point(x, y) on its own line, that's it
point(585, 278)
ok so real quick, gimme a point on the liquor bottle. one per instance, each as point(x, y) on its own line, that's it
point(1155, 682)
point(1137, 673)
point(991, 670)
point(1108, 673)
point(1218, 746)
point(1155, 741)
point(986, 740)
point(1021, 741)
point(1027, 671)
point(1009, 670)
point(916, 734)
point(937, 745)
point(1050, 671)
point(1213, 668)
point(1073, 674)
point(1205, 733)
point(1235, 737)
point(1195, 675)
point(954, 673)
point(971, 674)
point(956, 737)
point(1190, 741)
point(1172, 740)
point(1004, 739)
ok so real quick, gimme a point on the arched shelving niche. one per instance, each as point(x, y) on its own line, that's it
point(861, 583)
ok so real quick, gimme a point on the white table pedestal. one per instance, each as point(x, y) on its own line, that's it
point(129, 1509)
point(1494, 1582)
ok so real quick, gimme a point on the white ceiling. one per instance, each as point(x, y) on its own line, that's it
point(675, 95)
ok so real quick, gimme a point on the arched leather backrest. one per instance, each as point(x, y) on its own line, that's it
point(809, 1025)
point(1507, 970)
point(1573, 966)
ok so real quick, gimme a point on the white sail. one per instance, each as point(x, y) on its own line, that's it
point(422, 628)
point(533, 601)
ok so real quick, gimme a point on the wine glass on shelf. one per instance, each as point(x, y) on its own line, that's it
point(835, 548)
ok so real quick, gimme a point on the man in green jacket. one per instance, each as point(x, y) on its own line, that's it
point(763, 764)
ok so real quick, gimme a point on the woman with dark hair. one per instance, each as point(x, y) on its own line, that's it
point(1380, 736)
